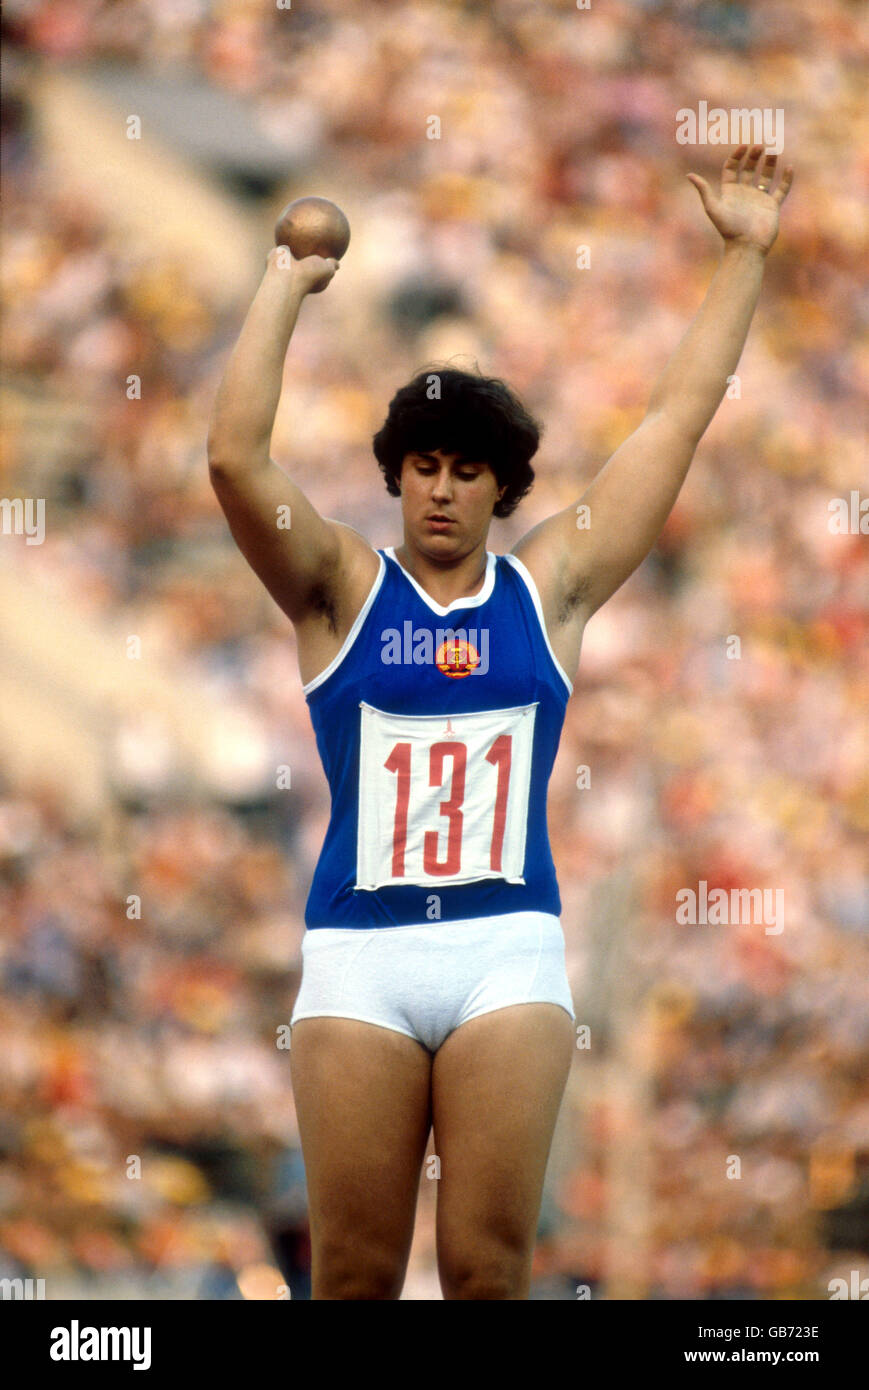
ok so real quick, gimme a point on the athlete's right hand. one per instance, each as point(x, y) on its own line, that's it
point(310, 275)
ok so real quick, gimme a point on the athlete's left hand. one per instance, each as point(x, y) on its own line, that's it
point(746, 212)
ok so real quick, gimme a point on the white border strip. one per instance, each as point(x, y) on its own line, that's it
point(353, 633)
point(472, 602)
point(535, 596)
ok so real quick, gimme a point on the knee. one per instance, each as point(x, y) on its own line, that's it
point(341, 1272)
point(491, 1272)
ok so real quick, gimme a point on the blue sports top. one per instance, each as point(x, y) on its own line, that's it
point(437, 728)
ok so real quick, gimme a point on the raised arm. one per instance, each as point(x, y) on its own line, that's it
point(633, 494)
point(295, 551)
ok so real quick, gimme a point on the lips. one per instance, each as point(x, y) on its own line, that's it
point(438, 517)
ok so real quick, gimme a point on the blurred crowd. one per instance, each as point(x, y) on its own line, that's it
point(149, 958)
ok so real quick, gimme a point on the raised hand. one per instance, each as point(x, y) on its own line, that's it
point(311, 275)
point(746, 211)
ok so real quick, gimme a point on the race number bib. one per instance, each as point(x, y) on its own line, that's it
point(443, 798)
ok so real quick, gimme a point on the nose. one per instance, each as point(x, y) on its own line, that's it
point(443, 485)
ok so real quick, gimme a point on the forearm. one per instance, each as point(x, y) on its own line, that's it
point(692, 385)
point(247, 398)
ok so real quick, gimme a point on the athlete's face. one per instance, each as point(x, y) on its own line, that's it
point(462, 490)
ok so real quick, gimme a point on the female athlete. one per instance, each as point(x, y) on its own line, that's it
point(434, 993)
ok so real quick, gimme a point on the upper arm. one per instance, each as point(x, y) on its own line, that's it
point(299, 555)
point(590, 548)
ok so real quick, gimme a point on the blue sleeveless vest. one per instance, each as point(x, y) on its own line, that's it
point(437, 727)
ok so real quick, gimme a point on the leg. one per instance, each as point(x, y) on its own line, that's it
point(363, 1101)
point(497, 1084)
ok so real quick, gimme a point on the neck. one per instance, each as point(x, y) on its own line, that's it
point(447, 578)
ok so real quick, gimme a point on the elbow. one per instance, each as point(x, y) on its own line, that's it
point(228, 457)
point(220, 472)
point(223, 443)
point(230, 471)
point(683, 423)
point(218, 465)
point(220, 452)
point(216, 452)
point(225, 474)
point(227, 463)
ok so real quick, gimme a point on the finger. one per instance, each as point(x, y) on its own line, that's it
point(730, 173)
point(750, 165)
point(783, 189)
point(702, 188)
point(767, 173)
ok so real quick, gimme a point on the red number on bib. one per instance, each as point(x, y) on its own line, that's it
point(399, 761)
point(459, 754)
point(499, 753)
point(499, 756)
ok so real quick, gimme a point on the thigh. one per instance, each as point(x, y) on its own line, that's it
point(497, 1085)
point(363, 1103)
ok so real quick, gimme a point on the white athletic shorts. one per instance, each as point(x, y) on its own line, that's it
point(427, 980)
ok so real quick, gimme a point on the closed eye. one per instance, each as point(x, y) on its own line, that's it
point(467, 477)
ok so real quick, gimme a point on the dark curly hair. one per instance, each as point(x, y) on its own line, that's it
point(473, 415)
